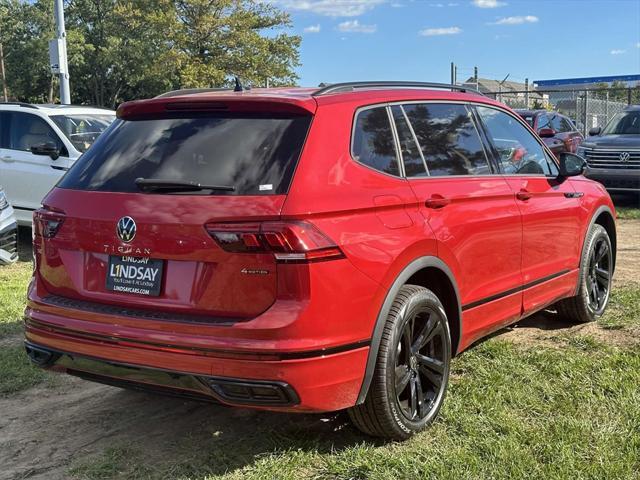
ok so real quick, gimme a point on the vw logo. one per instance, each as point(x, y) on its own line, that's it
point(126, 229)
point(624, 157)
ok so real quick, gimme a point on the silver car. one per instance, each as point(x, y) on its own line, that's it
point(8, 232)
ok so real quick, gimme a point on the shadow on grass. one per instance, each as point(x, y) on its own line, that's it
point(24, 245)
point(189, 439)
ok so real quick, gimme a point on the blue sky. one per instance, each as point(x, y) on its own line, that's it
point(346, 40)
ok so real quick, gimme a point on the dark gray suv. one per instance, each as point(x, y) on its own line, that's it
point(613, 153)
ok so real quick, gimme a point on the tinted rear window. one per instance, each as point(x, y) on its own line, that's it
point(255, 154)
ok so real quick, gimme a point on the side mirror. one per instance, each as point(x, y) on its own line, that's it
point(49, 149)
point(571, 164)
point(595, 131)
point(546, 132)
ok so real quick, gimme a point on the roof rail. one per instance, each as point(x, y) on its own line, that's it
point(189, 91)
point(351, 86)
point(20, 104)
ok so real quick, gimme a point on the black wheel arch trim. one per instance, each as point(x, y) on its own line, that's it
point(414, 267)
point(614, 242)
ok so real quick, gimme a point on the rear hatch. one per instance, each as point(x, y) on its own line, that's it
point(147, 217)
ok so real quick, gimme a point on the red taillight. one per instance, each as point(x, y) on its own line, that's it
point(46, 223)
point(288, 241)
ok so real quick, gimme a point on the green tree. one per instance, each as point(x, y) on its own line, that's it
point(125, 49)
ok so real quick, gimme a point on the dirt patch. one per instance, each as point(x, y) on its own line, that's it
point(11, 340)
point(628, 258)
point(547, 330)
point(44, 430)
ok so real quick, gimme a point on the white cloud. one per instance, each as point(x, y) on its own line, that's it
point(354, 26)
point(488, 3)
point(432, 32)
point(519, 20)
point(397, 5)
point(638, 45)
point(332, 8)
point(312, 29)
point(617, 52)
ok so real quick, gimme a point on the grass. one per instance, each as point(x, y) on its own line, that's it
point(628, 213)
point(13, 288)
point(17, 373)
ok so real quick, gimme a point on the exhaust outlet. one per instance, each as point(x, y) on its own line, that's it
point(40, 356)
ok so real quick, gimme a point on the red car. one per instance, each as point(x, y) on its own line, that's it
point(311, 250)
point(557, 131)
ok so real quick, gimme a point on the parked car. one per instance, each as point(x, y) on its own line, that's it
point(311, 250)
point(8, 232)
point(557, 131)
point(38, 144)
point(613, 153)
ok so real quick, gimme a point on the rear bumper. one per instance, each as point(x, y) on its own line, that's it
point(308, 381)
point(317, 345)
point(616, 180)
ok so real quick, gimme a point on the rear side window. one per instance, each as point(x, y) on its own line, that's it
point(255, 154)
point(373, 143)
point(414, 165)
point(28, 130)
point(448, 139)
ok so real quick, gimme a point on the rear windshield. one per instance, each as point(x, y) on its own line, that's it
point(255, 154)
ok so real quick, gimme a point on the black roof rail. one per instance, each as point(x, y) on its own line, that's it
point(351, 86)
point(20, 104)
point(189, 91)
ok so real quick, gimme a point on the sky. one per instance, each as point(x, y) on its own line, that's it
point(347, 40)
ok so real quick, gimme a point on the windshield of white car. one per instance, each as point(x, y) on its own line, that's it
point(82, 129)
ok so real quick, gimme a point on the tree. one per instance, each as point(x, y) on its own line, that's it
point(125, 49)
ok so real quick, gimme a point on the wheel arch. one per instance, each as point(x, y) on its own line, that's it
point(604, 217)
point(429, 272)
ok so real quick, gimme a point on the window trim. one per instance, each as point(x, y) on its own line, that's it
point(549, 156)
point(484, 138)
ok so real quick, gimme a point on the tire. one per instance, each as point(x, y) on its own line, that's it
point(594, 280)
point(412, 368)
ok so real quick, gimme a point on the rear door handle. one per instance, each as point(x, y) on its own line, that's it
point(437, 201)
point(523, 195)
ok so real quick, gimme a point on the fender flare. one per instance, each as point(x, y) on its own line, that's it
point(415, 266)
point(614, 241)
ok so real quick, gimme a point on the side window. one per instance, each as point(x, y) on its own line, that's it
point(448, 139)
point(518, 151)
point(558, 125)
point(373, 143)
point(413, 164)
point(543, 121)
point(28, 130)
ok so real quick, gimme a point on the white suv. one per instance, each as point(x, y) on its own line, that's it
point(38, 144)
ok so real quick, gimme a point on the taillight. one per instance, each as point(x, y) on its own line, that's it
point(46, 223)
point(290, 242)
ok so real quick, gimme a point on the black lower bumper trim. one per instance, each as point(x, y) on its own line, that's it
point(234, 391)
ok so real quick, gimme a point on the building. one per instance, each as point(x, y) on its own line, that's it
point(512, 93)
point(586, 82)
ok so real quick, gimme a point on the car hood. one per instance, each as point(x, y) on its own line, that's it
point(612, 141)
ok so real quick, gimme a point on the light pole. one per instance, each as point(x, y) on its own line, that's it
point(58, 54)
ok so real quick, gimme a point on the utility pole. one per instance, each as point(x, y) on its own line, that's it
point(475, 77)
point(453, 74)
point(500, 86)
point(526, 92)
point(58, 54)
point(2, 74)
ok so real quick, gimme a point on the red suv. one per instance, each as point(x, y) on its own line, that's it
point(557, 131)
point(310, 250)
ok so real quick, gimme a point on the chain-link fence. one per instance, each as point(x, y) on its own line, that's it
point(587, 108)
